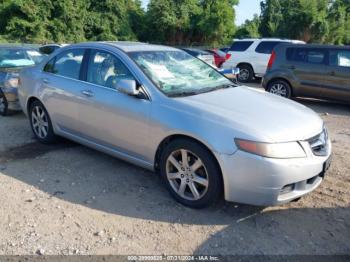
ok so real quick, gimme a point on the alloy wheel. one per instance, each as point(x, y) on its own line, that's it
point(244, 74)
point(279, 89)
point(40, 122)
point(187, 175)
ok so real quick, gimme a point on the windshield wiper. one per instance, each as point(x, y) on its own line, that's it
point(183, 93)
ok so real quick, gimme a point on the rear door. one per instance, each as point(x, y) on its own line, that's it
point(308, 65)
point(262, 55)
point(239, 54)
point(61, 82)
point(337, 80)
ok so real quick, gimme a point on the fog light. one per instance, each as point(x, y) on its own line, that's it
point(287, 189)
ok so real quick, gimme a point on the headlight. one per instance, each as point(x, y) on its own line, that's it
point(271, 150)
point(12, 82)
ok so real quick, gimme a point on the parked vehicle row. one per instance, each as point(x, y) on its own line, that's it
point(252, 55)
point(165, 110)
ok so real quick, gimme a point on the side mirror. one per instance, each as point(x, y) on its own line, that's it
point(127, 86)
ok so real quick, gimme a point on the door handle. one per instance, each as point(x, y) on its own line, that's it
point(332, 73)
point(87, 93)
point(292, 67)
point(45, 80)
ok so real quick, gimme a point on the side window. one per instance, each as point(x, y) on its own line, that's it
point(289, 54)
point(66, 64)
point(312, 56)
point(241, 46)
point(339, 58)
point(49, 66)
point(266, 47)
point(316, 56)
point(104, 69)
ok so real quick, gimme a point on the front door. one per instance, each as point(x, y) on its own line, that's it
point(110, 118)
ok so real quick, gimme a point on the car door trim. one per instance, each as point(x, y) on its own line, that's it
point(111, 150)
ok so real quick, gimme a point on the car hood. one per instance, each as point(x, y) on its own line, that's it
point(257, 114)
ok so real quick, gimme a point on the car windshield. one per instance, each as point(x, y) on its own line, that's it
point(177, 73)
point(19, 57)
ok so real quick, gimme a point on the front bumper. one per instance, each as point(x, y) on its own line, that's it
point(11, 95)
point(255, 180)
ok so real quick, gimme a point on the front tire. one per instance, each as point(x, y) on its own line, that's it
point(3, 104)
point(280, 87)
point(40, 123)
point(191, 173)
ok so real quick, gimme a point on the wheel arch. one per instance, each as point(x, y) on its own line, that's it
point(30, 101)
point(174, 137)
point(247, 64)
point(282, 79)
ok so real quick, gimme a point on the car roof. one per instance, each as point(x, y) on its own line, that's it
point(268, 39)
point(18, 46)
point(314, 46)
point(127, 46)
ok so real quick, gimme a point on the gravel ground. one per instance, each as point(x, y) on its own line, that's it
point(69, 199)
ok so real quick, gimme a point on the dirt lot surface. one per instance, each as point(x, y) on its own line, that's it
point(69, 199)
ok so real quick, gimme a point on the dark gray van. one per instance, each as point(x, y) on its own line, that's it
point(319, 71)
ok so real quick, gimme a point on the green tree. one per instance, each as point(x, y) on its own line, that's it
point(170, 21)
point(217, 21)
point(250, 28)
point(25, 20)
point(339, 22)
point(298, 19)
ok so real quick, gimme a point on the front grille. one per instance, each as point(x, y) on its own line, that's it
point(319, 143)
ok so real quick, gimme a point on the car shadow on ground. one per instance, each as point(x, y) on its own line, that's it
point(96, 181)
point(91, 179)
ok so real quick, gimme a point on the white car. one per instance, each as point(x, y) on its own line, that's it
point(251, 56)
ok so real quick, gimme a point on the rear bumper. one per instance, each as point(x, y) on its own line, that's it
point(256, 180)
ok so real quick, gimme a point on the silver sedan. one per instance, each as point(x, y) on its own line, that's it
point(164, 110)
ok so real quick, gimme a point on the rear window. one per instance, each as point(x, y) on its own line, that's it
point(266, 47)
point(306, 55)
point(241, 46)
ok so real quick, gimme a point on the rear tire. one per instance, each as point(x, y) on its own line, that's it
point(3, 104)
point(246, 73)
point(191, 173)
point(40, 123)
point(280, 87)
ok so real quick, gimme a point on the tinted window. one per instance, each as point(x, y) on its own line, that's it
point(290, 53)
point(106, 70)
point(266, 47)
point(308, 55)
point(66, 64)
point(339, 58)
point(241, 46)
point(47, 49)
point(49, 66)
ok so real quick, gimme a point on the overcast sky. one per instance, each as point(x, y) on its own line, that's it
point(245, 10)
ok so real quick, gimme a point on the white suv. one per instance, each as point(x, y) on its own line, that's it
point(251, 56)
